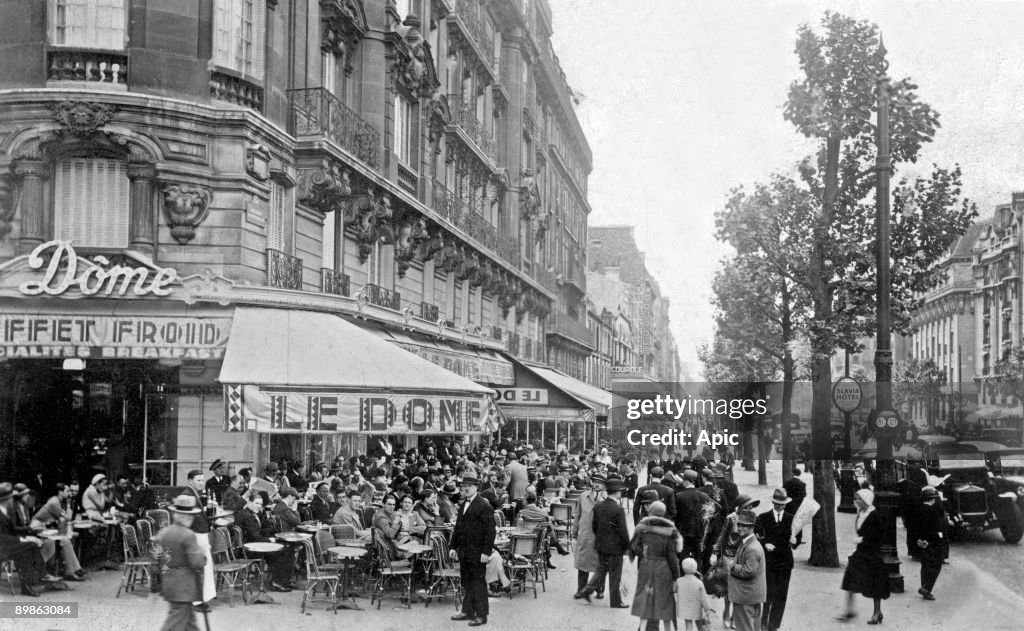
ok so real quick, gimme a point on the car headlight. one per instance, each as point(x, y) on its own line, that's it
point(1020, 491)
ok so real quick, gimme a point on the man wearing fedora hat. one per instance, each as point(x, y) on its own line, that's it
point(775, 532)
point(182, 582)
point(583, 531)
point(665, 494)
point(931, 528)
point(747, 587)
point(23, 550)
point(473, 543)
point(611, 539)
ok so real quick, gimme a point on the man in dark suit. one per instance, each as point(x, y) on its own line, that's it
point(220, 480)
point(797, 491)
point(689, 504)
point(665, 494)
point(729, 488)
point(182, 583)
point(611, 539)
point(23, 550)
point(931, 528)
point(320, 507)
point(282, 564)
point(774, 530)
point(473, 542)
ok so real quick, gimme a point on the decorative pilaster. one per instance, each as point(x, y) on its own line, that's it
point(36, 214)
point(185, 207)
point(142, 219)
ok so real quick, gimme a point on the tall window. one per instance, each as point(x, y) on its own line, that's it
point(327, 257)
point(88, 23)
point(373, 272)
point(275, 217)
point(403, 130)
point(239, 35)
point(91, 202)
point(329, 71)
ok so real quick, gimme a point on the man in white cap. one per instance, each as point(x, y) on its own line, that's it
point(181, 584)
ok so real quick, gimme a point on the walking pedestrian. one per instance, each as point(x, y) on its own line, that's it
point(747, 588)
point(612, 541)
point(692, 604)
point(776, 528)
point(473, 542)
point(583, 532)
point(183, 581)
point(724, 554)
point(656, 544)
point(931, 540)
point(865, 572)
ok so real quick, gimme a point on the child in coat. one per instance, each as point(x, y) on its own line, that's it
point(692, 603)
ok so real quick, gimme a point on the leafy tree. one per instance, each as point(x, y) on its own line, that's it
point(832, 103)
point(918, 381)
point(1010, 378)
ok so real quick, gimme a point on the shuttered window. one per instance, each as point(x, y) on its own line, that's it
point(327, 259)
point(91, 202)
point(88, 23)
point(239, 33)
point(275, 217)
point(329, 71)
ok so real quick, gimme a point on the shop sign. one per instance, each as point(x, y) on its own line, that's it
point(628, 370)
point(65, 270)
point(112, 337)
point(366, 413)
point(523, 396)
point(471, 367)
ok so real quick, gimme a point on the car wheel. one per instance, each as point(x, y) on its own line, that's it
point(1012, 527)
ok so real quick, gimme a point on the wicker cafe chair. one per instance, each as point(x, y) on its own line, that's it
point(540, 558)
point(341, 532)
point(145, 528)
point(499, 519)
point(323, 540)
point(160, 518)
point(520, 565)
point(561, 515)
point(305, 514)
point(387, 571)
point(237, 541)
point(226, 569)
point(319, 577)
point(138, 567)
point(445, 578)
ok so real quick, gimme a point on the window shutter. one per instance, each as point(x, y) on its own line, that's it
point(259, 37)
point(92, 202)
point(329, 64)
point(223, 23)
point(327, 259)
point(275, 218)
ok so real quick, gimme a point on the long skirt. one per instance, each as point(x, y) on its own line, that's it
point(866, 575)
point(654, 599)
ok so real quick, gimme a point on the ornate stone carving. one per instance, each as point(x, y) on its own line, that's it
point(450, 258)
point(412, 60)
point(410, 235)
point(369, 213)
point(185, 207)
point(529, 196)
point(343, 23)
point(431, 246)
point(510, 296)
point(81, 118)
point(257, 162)
point(438, 117)
point(325, 188)
point(468, 269)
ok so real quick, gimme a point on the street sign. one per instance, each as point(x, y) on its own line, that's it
point(846, 394)
point(886, 423)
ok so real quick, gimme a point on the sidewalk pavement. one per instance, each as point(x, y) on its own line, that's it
point(967, 597)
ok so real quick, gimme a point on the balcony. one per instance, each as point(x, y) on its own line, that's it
point(318, 113)
point(576, 276)
point(469, 16)
point(383, 297)
point(479, 228)
point(445, 203)
point(87, 66)
point(333, 282)
point(429, 312)
point(564, 325)
point(283, 270)
point(459, 214)
point(407, 179)
point(464, 118)
point(508, 249)
point(237, 90)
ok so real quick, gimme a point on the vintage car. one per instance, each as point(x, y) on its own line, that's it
point(975, 499)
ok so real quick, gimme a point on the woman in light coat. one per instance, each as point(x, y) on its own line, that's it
point(583, 531)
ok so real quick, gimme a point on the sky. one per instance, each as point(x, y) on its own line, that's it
point(681, 101)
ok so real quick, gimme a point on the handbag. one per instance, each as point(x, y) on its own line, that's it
point(716, 582)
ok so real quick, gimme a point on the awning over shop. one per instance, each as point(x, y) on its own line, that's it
point(568, 415)
point(596, 398)
point(307, 372)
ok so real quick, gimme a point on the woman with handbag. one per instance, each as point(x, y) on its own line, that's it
point(717, 580)
point(865, 571)
point(656, 543)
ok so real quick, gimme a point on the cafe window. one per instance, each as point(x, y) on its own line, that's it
point(91, 202)
point(88, 23)
point(239, 28)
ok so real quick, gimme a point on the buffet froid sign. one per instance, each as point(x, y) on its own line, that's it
point(64, 270)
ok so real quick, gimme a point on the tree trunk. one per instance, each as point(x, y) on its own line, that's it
point(787, 385)
point(748, 450)
point(762, 457)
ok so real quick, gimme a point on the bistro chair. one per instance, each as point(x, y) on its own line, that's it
point(342, 532)
point(540, 558)
point(387, 570)
point(226, 569)
point(319, 576)
point(160, 518)
point(323, 540)
point(7, 567)
point(499, 519)
point(445, 580)
point(305, 514)
point(277, 523)
point(145, 528)
point(561, 515)
point(138, 567)
point(521, 565)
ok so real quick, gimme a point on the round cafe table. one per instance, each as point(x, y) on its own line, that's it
point(353, 543)
point(312, 527)
point(346, 554)
point(260, 550)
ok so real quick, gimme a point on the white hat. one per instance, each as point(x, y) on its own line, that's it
point(99, 477)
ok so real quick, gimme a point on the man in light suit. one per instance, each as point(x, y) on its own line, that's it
point(611, 539)
point(473, 542)
point(775, 532)
point(182, 583)
point(747, 585)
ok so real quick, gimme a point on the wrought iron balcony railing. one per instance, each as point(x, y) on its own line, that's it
point(470, 14)
point(570, 328)
point(334, 282)
point(87, 65)
point(464, 116)
point(383, 297)
point(283, 270)
point(317, 112)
